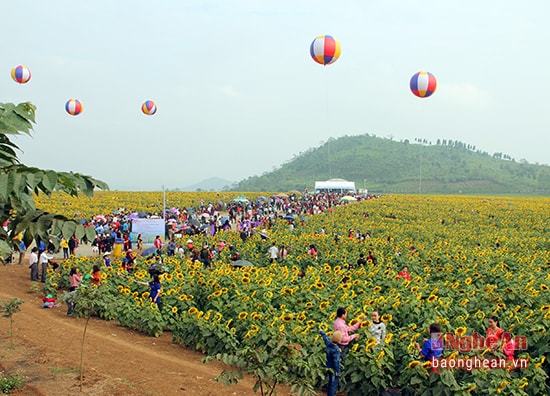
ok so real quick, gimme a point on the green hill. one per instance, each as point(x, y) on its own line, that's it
point(388, 166)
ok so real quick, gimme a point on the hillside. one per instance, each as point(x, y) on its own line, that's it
point(388, 166)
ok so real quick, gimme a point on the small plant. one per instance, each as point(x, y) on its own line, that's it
point(7, 384)
point(9, 308)
point(35, 287)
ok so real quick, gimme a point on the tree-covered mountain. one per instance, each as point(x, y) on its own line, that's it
point(388, 166)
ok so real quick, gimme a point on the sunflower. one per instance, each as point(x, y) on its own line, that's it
point(282, 328)
point(175, 309)
point(324, 304)
point(380, 356)
point(403, 336)
point(413, 364)
point(543, 287)
point(414, 289)
point(246, 280)
point(376, 289)
point(309, 304)
point(192, 311)
point(468, 281)
point(427, 364)
point(389, 337)
point(287, 317)
point(460, 331)
point(243, 315)
point(432, 298)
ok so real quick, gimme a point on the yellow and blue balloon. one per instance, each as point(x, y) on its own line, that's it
point(21, 74)
point(149, 107)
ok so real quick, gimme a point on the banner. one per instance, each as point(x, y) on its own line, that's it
point(148, 228)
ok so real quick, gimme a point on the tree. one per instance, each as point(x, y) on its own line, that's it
point(9, 308)
point(18, 184)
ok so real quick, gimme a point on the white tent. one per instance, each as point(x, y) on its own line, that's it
point(335, 185)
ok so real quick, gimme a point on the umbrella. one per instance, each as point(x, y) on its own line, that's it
point(348, 198)
point(303, 218)
point(81, 221)
point(223, 219)
point(240, 198)
point(149, 251)
point(133, 216)
point(242, 263)
point(288, 217)
point(262, 198)
point(281, 195)
point(194, 222)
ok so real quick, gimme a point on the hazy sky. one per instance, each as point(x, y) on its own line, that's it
point(238, 93)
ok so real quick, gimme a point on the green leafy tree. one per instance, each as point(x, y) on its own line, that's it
point(18, 184)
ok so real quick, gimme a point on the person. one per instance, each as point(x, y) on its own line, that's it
point(333, 360)
point(432, 347)
point(340, 325)
point(64, 244)
point(361, 261)
point(44, 260)
point(72, 245)
point(95, 278)
point(378, 328)
point(404, 273)
point(313, 251)
point(33, 264)
point(273, 253)
point(371, 257)
point(74, 279)
point(139, 242)
point(22, 249)
point(156, 289)
point(158, 243)
point(496, 334)
point(204, 256)
point(283, 252)
point(49, 301)
point(129, 260)
point(107, 259)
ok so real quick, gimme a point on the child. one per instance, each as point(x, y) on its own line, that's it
point(49, 301)
point(96, 276)
point(432, 347)
point(107, 259)
point(333, 360)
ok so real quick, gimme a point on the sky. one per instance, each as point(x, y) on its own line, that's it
point(238, 94)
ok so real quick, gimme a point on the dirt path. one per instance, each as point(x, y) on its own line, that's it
point(117, 361)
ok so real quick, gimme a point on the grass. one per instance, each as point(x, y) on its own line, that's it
point(62, 370)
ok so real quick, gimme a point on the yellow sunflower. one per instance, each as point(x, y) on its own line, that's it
point(413, 364)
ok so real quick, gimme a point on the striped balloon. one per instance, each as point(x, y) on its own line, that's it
point(423, 84)
point(325, 50)
point(74, 107)
point(21, 74)
point(149, 107)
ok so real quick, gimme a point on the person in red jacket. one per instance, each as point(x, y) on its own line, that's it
point(158, 243)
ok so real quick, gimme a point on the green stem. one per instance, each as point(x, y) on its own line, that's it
point(82, 351)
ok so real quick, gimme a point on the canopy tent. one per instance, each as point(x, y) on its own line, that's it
point(335, 185)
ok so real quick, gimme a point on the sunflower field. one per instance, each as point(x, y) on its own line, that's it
point(473, 257)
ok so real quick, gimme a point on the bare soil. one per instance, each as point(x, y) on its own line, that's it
point(117, 361)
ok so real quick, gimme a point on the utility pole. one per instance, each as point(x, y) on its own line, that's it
point(163, 204)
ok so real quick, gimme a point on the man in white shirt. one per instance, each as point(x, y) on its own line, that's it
point(273, 253)
point(44, 261)
point(33, 264)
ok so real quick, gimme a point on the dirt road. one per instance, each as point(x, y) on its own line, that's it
point(117, 361)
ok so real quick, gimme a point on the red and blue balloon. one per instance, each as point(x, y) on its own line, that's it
point(423, 84)
point(325, 50)
point(74, 107)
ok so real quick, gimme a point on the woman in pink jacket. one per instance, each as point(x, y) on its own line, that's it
point(340, 325)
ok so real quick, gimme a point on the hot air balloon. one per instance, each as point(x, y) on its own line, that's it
point(21, 74)
point(74, 107)
point(325, 50)
point(149, 107)
point(423, 84)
